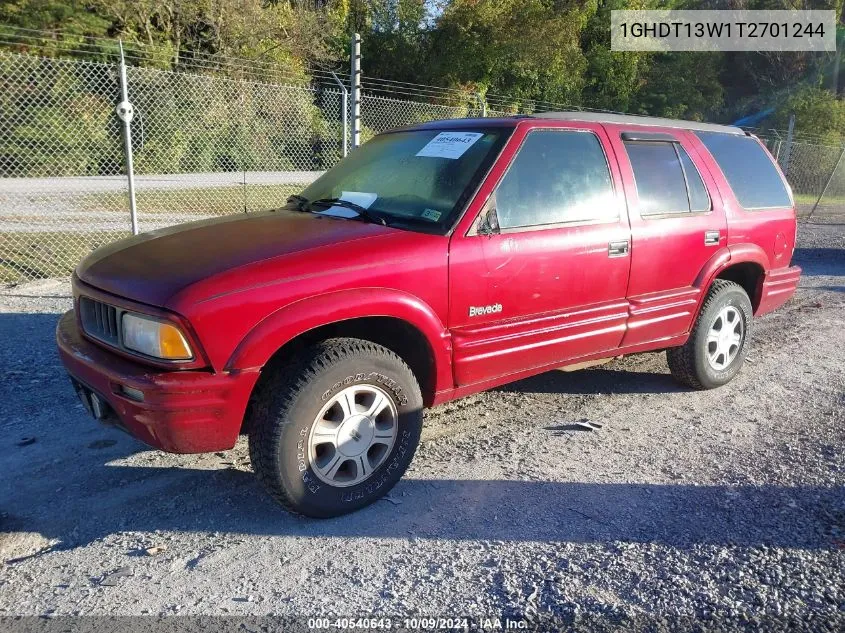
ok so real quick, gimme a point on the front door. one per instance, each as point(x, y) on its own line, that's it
point(540, 277)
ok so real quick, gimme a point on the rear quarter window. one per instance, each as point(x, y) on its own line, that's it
point(748, 169)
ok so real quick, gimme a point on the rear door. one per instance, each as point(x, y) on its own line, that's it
point(677, 226)
point(539, 276)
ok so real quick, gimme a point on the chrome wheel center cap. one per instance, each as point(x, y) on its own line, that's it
point(355, 435)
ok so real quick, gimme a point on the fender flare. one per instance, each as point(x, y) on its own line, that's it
point(718, 262)
point(299, 317)
point(730, 256)
point(750, 253)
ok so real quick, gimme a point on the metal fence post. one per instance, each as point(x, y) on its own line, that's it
point(344, 112)
point(125, 113)
point(355, 84)
point(789, 132)
point(482, 103)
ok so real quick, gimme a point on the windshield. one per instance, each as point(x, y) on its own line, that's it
point(418, 178)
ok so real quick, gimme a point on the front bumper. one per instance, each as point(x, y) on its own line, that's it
point(181, 412)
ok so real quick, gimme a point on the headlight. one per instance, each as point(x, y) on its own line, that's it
point(154, 338)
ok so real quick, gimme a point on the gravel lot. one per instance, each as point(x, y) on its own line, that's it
point(724, 506)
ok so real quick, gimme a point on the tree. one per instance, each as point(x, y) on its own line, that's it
point(681, 85)
point(612, 78)
point(816, 110)
point(528, 49)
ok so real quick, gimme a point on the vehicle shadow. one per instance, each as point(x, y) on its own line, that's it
point(77, 482)
point(820, 261)
point(230, 500)
point(597, 380)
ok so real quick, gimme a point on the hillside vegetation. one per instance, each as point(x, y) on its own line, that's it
point(517, 52)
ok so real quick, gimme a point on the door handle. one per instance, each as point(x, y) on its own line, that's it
point(711, 238)
point(617, 249)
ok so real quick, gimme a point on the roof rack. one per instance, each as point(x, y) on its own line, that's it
point(629, 119)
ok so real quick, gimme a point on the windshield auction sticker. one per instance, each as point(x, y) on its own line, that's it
point(449, 144)
point(722, 30)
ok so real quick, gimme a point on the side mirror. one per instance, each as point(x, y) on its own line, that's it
point(488, 222)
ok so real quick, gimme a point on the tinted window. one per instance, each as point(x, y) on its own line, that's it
point(660, 180)
point(557, 176)
point(698, 198)
point(748, 170)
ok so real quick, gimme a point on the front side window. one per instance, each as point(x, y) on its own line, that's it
point(666, 178)
point(748, 169)
point(557, 176)
point(413, 179)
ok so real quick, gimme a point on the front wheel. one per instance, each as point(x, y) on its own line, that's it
point(715, 350)
point(336, 428)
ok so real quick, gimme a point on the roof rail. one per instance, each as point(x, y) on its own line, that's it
point(629, 119)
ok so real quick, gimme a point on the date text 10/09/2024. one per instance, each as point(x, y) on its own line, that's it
point(420, 623)
point(723, 29)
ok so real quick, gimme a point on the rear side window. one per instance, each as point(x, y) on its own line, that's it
point(748, 169)
point(557, 176)
point(667, 180)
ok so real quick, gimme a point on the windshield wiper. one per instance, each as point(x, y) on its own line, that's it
point(363, 212)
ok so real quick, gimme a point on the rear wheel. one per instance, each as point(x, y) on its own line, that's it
point(336, 428)
point(716, 348)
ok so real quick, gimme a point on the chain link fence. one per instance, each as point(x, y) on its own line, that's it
point(206, 145)
point(811, 169)
point(203, 146)
point(379, 113)
point(59, 150)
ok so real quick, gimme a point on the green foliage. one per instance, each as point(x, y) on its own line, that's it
point(56, 118)
point(815, 109)
point(681, 86)
point(195, 126)
point(546, 52)
point(611, 79)
point(527, 49)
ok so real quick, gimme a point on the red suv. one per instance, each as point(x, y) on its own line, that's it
point(435, 261)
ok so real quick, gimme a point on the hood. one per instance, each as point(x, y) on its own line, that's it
point(152, 267)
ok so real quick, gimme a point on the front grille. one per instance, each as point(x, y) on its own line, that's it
point(99, 320)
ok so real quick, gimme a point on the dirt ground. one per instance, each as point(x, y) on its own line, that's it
point(722, 506)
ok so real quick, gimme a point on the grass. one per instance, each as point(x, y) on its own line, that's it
point(810, 198)
point(202, 201)
point(44, 255)
point(27, 256)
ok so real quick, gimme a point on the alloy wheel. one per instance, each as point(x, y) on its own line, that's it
point(352, 435)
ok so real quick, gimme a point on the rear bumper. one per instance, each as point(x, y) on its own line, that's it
point(778, 287)
point(181, 412)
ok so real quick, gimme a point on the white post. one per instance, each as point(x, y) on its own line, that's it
point(344, 112)
point(789, 133)
point(482, 103)
point(125, 113)
point(355, 83)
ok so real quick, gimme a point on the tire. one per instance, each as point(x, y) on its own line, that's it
point(704, 363)
point(308, 415)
